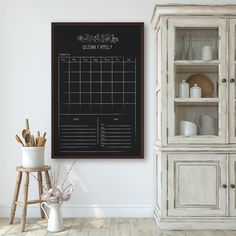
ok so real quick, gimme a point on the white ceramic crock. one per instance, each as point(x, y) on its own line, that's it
point(195, 91)
point(33, 157)
point(207, 53)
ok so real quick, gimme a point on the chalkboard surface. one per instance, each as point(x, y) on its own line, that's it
point(97, 90)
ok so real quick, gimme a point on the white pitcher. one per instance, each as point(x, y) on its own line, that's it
point(206, 124)
point(55, 221)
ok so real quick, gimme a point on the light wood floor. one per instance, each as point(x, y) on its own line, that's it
point(101, 227)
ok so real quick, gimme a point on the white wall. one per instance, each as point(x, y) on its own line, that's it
point(103, 187)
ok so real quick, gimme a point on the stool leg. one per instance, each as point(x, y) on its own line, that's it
point(48, 180)
point(24, 205)
point(15, 198)
point(40, 185)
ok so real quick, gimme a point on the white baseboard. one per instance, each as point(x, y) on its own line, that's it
point(122, 211)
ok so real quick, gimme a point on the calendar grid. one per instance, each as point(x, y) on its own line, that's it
point(104, 77)
point(90, 70)
point(101, 80)
point(69, 81)
point(135, 96)
point(112, 71)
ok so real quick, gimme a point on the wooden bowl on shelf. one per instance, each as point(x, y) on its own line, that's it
point(203, 82)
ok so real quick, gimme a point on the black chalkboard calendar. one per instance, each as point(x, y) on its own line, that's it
point(97, 90)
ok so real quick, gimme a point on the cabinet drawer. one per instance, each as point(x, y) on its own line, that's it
point(195, 184)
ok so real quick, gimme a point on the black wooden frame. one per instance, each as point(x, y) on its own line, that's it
point(54, 101)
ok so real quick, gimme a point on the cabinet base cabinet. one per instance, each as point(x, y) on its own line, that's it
point(195, 190)
point(196, 184)
point(196, 223)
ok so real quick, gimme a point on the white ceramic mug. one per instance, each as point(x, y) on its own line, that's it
point(187, 128)
point(207, 53)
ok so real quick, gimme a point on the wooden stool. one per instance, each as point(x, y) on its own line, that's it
point(23, 204)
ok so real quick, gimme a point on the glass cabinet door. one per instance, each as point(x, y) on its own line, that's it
point(197, 81)
point(232, 76)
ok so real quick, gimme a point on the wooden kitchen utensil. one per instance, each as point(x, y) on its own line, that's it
point(37, 138)
point(27, 124)
point(24, 132)
point(41, 142)
point(26, 135)
point(32, 141)
point(18, 139)
point(28, 140)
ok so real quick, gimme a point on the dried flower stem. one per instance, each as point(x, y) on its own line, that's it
point(68, 172)
point(52, 177)
point(67, 190)
point(38, 181)
point(58, 172)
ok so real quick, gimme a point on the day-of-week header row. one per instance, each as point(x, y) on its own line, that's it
point(95, 59)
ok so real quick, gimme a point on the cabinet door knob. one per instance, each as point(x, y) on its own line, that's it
point(232, 185)
point(224, 186)
point(232, 80)
point(223, 80)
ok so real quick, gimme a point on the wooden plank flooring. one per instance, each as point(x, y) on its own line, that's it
point(101, 227)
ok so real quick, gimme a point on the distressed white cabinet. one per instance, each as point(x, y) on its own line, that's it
point(189, 177)
point(196, 173)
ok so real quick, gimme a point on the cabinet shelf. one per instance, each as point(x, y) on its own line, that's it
point(197, 101)
point(196, 136)
point(197, 66)
point(197, 62)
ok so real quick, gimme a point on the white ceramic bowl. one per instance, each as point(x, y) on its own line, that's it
point(187, 128)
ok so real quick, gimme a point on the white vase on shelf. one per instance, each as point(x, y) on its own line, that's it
point(180, 55)
point(190, 51)
point(183, 89)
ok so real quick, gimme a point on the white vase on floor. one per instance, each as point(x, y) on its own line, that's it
point(55, 221)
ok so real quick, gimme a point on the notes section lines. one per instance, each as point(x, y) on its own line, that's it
point(115, 136)
point(96, 133)
point(74, 136)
